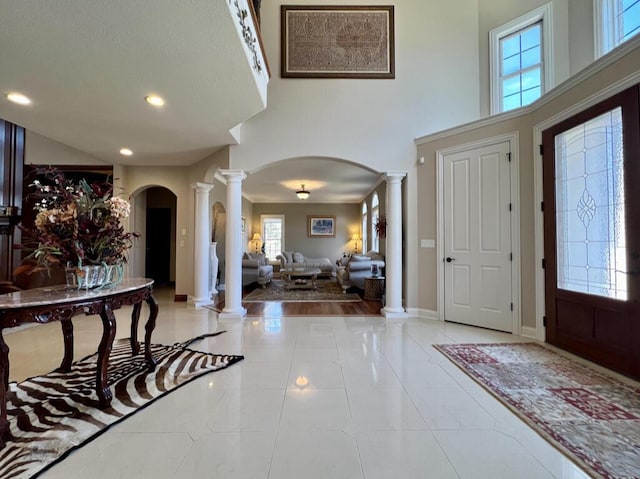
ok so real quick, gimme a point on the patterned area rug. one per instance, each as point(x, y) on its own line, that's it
point(51, 415)
point(328, 290)
point(593, 418)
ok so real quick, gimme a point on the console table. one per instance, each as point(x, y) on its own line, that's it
point(57, 303)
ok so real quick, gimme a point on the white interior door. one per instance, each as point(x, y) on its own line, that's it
point(477, 237)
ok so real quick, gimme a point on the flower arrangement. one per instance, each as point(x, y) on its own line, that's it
point(380, 226)
point(77, 224)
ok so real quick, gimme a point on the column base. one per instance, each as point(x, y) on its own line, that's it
point(198, 302)
point(393, 313)
point(232, 313)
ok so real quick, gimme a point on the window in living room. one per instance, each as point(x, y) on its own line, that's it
point(364, 227)
point(272, 235)
point(616, 22)
point(520, 60)
point(375, 214)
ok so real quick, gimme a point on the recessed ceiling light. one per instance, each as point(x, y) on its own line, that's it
point(154, 100)
point(18, 98)
point(126, 152)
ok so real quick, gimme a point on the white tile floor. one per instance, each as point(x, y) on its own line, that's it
point(380, 402)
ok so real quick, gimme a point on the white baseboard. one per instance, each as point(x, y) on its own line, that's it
point(423, 313)
point(529, 332)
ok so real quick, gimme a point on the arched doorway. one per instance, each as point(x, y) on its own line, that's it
point(155, 220)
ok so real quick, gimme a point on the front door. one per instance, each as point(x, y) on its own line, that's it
point(477, 237)
point(592, 233)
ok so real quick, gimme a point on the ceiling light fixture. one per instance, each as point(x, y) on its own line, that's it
point(18, 98)
point(126, 152)
point(154, 100)
point(303, 194)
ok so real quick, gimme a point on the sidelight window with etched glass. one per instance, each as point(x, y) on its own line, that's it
point(590, 208)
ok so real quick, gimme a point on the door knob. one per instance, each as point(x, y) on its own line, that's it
point(449, 260)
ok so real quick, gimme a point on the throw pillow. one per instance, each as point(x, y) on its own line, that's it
point(288, 255)
point(298, 257)
point(359, 257)
point(259, 257)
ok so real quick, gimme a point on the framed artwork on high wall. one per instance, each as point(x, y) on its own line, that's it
point(321, 226)
point(337, 41)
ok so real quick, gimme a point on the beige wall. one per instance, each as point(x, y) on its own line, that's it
point(40, 150)
point(628, 66)
point(296, 239)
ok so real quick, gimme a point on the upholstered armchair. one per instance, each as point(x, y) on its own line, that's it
point(256, 269)
point(354, 269)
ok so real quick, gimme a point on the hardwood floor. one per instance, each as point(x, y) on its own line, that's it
point(279, 308)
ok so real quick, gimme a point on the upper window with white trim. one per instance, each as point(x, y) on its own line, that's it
point(616, 22)
point(520, 60)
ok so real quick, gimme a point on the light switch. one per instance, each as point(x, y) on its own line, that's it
point(427, 243)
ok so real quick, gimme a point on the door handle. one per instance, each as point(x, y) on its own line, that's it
point(449, 260)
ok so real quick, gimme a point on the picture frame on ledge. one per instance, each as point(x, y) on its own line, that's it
point(337, 41)
point(321, 226)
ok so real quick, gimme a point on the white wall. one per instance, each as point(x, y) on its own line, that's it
point(373, 122)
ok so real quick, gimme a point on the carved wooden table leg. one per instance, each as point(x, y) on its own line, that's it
point(151, 324)
point(4, 389)
point(104, 350)
point(67, 334)
point(135, 317)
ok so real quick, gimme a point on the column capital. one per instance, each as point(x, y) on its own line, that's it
point(233, 175)
point(202, 187)
point(394, 176)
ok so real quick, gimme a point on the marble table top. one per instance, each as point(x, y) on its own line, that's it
point(60, 294)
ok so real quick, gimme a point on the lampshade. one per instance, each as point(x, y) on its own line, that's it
point(355, 237)
point(302, 193)
point(256, 237)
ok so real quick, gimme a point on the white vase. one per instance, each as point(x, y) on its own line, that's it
point(213, 268)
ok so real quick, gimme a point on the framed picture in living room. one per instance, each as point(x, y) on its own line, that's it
point(321, 226)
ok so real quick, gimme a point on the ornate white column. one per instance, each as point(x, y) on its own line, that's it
point(393, 262)
point(201, 241)
point(233, 249)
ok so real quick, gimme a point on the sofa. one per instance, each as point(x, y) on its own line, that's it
point(295, 259)
point(255, 269)
point(355, 268)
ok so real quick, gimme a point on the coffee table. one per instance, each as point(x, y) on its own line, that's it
point(300, 278)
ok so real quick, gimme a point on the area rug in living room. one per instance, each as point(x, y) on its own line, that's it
point(51, 415)
point(327, 290)
point(590, 416)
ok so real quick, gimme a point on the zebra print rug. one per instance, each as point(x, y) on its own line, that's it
point(54, 414)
